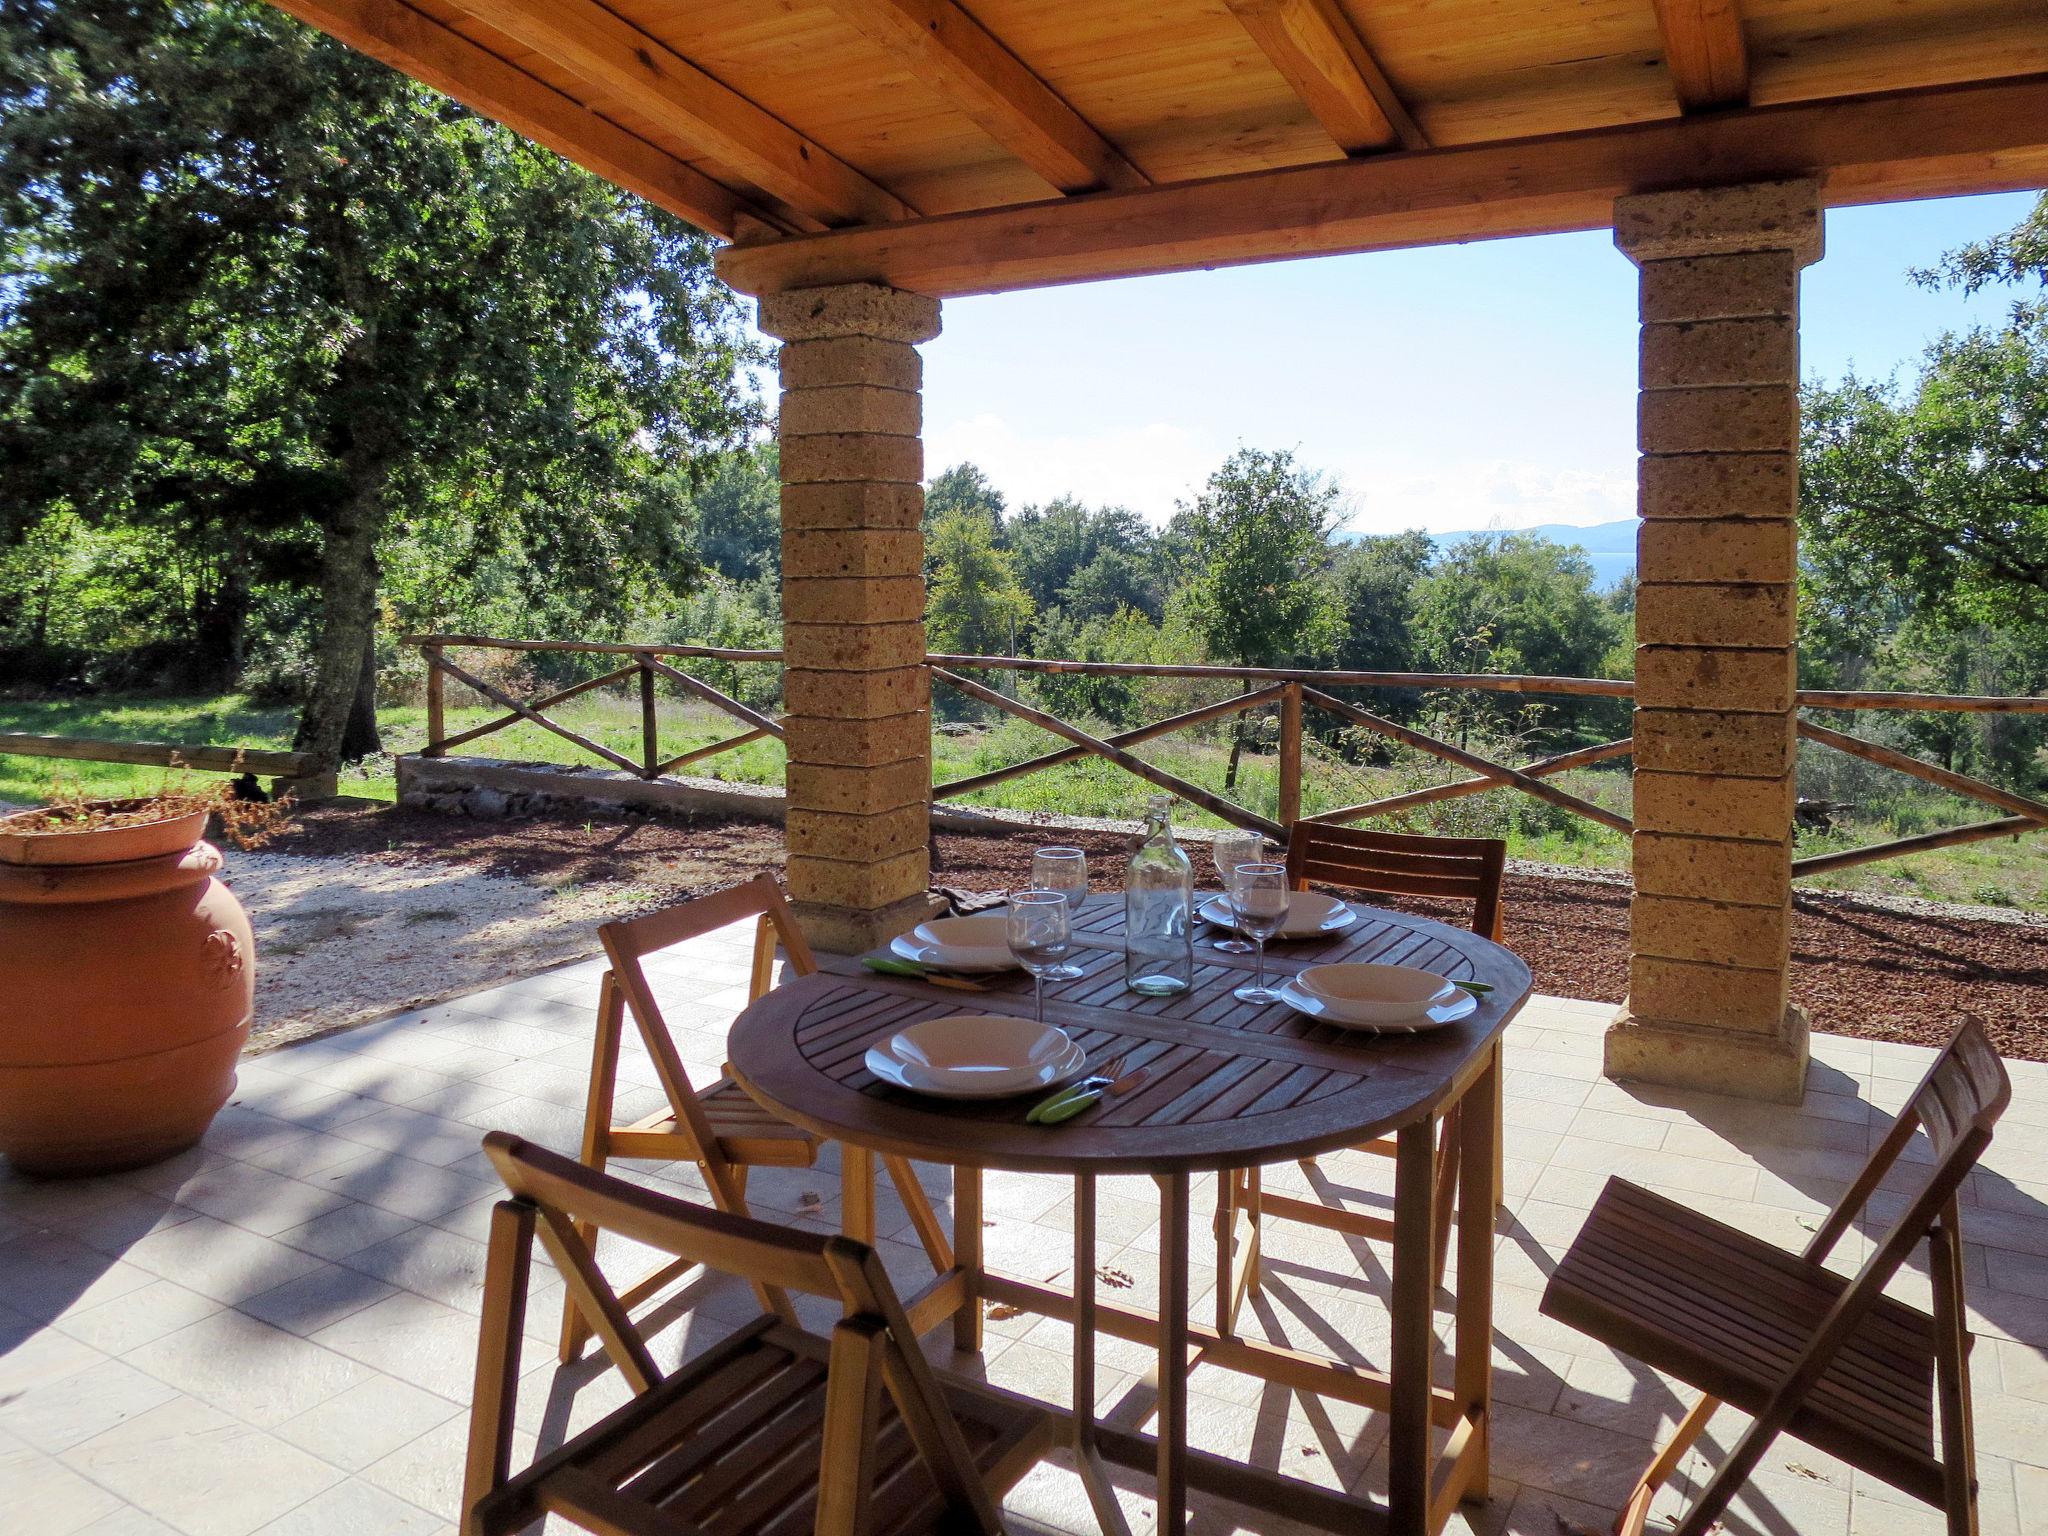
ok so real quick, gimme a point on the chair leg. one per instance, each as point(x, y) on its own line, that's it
point(762, 978)
point(1637, 1510)
point(1952, 1377)
point(930, 1232)
point(597, 1124)
point(1448, 1145)
point(1722, 1487)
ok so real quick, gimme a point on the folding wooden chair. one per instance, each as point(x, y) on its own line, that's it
point(1376, 864)
point(772, 1432)
point(1829, 1359)
point(719, 1128)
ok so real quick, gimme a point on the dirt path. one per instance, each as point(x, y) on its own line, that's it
point(1859, 968)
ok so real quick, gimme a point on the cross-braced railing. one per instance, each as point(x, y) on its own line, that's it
point(1291, 694)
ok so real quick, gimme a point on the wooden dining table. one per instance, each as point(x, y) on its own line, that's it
point(1229, 1085)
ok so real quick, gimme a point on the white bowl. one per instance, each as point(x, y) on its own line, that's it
point(1389, 993)
point(1309, 913)
point(974, 1054)
point(977, 943)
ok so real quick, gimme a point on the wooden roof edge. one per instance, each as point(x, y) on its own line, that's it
point(438, 56)
point(1937, 141)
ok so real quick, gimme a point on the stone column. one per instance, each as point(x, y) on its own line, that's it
point(854, 685)
point(1718, 427)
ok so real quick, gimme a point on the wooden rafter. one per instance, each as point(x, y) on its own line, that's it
point(959, 57)
point(1938, 141)
point(395, 34)
point(636, 71)
point(1316, 47)
point(1704, 51)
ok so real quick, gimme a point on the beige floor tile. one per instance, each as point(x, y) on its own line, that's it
point(428, 1472)
point(65, 1412)
point(199, 1470)
point(356, 1508)
point(138, 1316)
point(367, 1422)
point(220, 1260)
point(60, 1501)
point(260, 1374)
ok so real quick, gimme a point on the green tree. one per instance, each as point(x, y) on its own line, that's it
point(963, 488)
point(1515, 602)
point(975, 605)
point(1260, 539)
point(277, 304)
point(1923, 516)
point(1259, 536)
point(1090, 562)
point(739, 515)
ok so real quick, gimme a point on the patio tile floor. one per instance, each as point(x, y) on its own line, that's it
point(274, 1332)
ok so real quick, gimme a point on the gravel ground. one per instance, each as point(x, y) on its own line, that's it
point(1860, 967)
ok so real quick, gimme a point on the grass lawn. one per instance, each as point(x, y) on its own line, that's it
point(2010, 872)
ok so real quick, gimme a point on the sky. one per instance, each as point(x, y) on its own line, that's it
point(1458, 387)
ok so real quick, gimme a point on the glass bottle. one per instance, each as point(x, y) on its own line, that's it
point(1159, 909)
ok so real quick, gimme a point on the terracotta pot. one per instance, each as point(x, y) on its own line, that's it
point(127, 973)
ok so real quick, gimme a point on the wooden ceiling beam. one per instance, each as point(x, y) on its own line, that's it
point(967, 64)
point(1704, 50)
point(634, 70)
point(1316, 47)
point(1940, 141)
point(395, 34)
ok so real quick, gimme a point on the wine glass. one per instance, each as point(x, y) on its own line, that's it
point(1041, 931)
point(1230, 850)
point(1258, 899)
point(1064, 870)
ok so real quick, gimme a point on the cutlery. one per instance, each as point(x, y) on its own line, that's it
point(1476, 988)
point(1070, 1101)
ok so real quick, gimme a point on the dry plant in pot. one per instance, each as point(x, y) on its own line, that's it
point(127, 974)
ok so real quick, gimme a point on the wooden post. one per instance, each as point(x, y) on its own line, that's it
point(437, 682)
point(650, 729)
point(1290, 754)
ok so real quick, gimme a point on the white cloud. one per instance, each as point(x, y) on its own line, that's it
point(1146, 467)
point(1481, 494)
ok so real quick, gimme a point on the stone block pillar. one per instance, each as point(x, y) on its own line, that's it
point(1716, 668)
point(854, 684)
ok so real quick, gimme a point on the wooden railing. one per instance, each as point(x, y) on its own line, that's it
point(300, 771)
point(1291, 694)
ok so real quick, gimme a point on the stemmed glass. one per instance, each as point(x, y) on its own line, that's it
point(1064, 870)
point(1258, 899)
point(1230, 850)
point(1041, 931)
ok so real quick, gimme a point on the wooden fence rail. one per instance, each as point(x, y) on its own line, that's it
point(1289, 693)
point(297, 771)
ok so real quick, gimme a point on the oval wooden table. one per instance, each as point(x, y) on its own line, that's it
point(1230, 1085)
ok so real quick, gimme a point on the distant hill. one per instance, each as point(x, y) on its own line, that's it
point(1611, 547)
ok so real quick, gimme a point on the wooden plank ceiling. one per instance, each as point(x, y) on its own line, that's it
point(1005, 143)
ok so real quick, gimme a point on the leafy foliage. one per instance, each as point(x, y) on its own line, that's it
point(281, 311)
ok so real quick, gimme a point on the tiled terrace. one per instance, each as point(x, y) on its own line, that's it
point(274, 1333)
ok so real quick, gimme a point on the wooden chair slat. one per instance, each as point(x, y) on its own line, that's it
point(773, 1430)
point(1804, 1350)
point(1377, 864)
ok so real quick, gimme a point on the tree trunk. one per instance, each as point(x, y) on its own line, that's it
point(1237, 723)
point(331, 725)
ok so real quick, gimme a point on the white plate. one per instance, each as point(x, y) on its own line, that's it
point(1459, 1007)
point(1387, 994)
point(1310, 914)
point(985, 1056)
point(950, 957)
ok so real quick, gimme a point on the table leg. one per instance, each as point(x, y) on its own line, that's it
point(1087, 1451)
point(1408, 1442)
point(857, 1193)
point(967, 1255)
point(1173, 1351)
point(1479, 1194)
